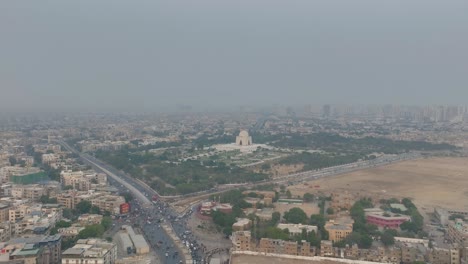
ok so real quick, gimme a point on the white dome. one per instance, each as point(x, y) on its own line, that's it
point(243, 133)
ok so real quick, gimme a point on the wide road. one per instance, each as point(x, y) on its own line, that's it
point(145, 214)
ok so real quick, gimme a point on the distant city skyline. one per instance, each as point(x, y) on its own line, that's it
point(144, 56)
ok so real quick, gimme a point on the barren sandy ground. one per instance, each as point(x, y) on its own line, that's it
point(430, 182)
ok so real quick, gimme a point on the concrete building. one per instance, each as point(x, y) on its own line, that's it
point(296, 229)
point(33, 249)
point(326, 248)
point(4, 212)
point(338, 229)
point(94, 251)
point(32, 192)
point(242, 240)
point(76, 179)
point(458, 232)
point(139, 242)
point(378, 217)
point(444, 256)
point(278, 246)
point(242, 224)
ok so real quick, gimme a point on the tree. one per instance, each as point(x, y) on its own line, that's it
point(296, 216)
point(91, 231)
point(83, 207)
point(288, 194)
point(128, 197)
point(276, 233)
point(106, 222)
point(94, 210)
point(282, 188)
point(387, 238)
point(67, 213)
point(318, 220)
point(330, 211)
point(275, 217)
point(12, 161)
point(266, 167)
point(62, 224)
point(308, 197)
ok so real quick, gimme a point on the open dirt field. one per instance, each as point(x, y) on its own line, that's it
point(430, 182)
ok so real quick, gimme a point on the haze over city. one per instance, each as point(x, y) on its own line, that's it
point(152, 54)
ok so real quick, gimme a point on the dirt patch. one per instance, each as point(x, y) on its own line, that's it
point(430, 182)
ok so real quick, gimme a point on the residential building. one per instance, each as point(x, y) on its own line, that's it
point(90, 251)
point(242, 240)
point(458, 232)
point(4, 212)
point(278, 246)
point(33, 249)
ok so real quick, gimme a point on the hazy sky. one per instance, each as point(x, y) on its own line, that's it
point(144, 54)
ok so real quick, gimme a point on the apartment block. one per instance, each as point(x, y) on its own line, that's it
point(458, 232)
point(242, 240)
point(90, 251)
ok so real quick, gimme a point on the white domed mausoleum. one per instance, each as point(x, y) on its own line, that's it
point(244, 139)
point(243, 144)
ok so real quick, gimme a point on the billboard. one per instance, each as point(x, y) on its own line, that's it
point(125, 208)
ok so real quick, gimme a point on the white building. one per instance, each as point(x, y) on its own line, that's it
point(244, 139)
point(243, 143)
point(296, 229)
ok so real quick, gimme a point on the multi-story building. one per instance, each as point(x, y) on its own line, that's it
point(7, 172)
point(458, 232)
point(49, 158)
point(18, 212)
point(4, 212)
point(445, 256)
point(242, 224)
point(296, 229)
point(339, 228)
point(76, 179)
point(378, 217)
point(109, 203)
point(412, 252)
point(90, 251)
point(326, 248)
point(33, 249)
point(5, 231)
point(278, 246)
point(66, 199)
point(103, 200)
point(242, 240)
point(32, 192)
